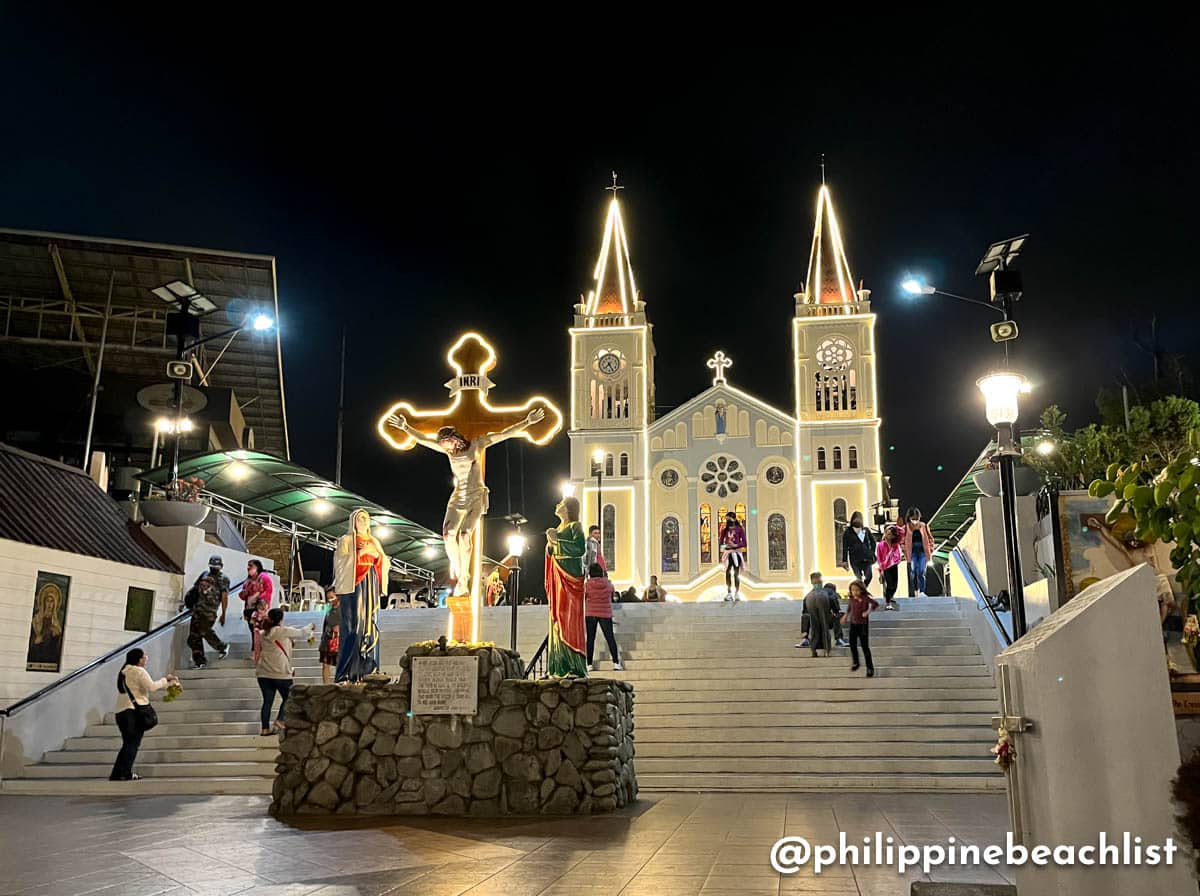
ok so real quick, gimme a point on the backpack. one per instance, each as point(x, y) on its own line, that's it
point(192, 597)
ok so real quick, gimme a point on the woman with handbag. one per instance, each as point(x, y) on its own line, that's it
point(274, 665)
point(135, 715)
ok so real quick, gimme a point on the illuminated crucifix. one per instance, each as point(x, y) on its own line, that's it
point(463, 431)
point(718, 364)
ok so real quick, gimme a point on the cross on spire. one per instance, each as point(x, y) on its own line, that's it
point(718, 364)
point(615, 186)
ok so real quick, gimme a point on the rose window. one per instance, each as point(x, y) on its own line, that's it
point(722, 476)
point(835, 354)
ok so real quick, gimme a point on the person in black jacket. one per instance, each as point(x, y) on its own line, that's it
point(858, 549)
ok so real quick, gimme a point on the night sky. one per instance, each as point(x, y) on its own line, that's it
point(410, 196)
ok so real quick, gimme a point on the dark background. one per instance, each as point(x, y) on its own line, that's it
point(411, 186)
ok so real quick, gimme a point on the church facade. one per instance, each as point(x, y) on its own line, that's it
point(660, 487)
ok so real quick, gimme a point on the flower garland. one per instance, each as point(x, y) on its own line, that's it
point(1005, 750)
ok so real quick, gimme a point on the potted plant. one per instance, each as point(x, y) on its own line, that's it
point(178, 505)
point(988, 480)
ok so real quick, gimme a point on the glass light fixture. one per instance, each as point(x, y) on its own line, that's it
point(516, 545)
point(1000, 394)
point(915, 287)
point(568, 489)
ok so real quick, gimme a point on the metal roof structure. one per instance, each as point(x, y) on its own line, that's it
point(957, 512)
point(283, 496)
point(53, 291)
point(51, 505)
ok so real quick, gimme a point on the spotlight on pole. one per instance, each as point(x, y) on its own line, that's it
point(915, 287)
point(568, 489)
point(263, 322)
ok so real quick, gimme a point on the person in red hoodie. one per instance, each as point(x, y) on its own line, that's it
point(598, 601)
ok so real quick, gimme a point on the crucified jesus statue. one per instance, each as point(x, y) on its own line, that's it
point(469, 500)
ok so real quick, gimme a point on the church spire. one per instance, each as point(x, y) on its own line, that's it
point(614, 291)
point(829, 280)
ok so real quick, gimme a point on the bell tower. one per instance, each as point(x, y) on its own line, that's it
point(612, 403)
point(837, 415)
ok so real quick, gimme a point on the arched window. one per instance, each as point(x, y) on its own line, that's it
point(608, 465)
point(840, 522)
point(624, 467)
point(837, 457)
point(776, 541)
point(820, 458)
point(706, 533)
point(740, 510)
point(609, 542)
point(853, 453)
point(670, 544)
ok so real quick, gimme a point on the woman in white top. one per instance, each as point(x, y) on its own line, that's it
point(134, 685)
point(274, 666)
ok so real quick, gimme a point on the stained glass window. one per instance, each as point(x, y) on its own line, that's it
point(839, 525)
point(706, 533)
point(609, 544)
point(777, 541)
point(670, 544)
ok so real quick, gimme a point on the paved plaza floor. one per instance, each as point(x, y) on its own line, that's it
point(666, 845)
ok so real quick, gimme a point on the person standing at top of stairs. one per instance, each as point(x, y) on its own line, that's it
point(888, 555)
point(733, 550)
point(208, 597)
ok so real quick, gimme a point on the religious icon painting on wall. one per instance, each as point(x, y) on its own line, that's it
point(49, 623)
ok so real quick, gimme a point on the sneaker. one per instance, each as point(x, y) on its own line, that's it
point(854, 668)
point(804, 643)
point(617, 667)
point(224, 652)
point(199, 665)
point(870, 673)
point(842, 642)
point(592, 667)
point(921, 594)
point(890, 607)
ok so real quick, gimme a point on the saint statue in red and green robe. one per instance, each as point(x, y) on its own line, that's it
point(565, 548)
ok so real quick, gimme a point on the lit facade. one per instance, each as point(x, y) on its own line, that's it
point(792, 477)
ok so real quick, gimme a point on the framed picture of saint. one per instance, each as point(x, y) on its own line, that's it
point(49, 623)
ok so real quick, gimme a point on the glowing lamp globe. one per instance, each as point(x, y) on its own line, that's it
point(1000, 395)
point(915, 287)
point(516, 545)
point(598, 455)
point(263, 322)
point(568, 490)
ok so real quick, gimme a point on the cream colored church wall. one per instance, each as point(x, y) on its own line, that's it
point(627, 557)
point(676, 502)
point(771, 499)
point(821, 528)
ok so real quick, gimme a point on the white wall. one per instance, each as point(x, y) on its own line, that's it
point(1103, 750)
point(983, 542)
point(95, 609)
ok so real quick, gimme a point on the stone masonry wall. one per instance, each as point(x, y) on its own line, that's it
point(553, 747)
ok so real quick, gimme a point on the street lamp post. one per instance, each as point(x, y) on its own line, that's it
point(184, 322)
point(1001, 393)
point(598, 460)
point(516, 547)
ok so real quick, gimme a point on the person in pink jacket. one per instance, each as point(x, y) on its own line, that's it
point(888, 555)
point(918, 546)
point(597, 610)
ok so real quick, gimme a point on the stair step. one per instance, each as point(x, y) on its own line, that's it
point(820, 783)
point(712, 697)
point(652, 719)
point(157, 786)
point(834, 739)
point(265, 753)
point(181, 729)
point(686, 752)
point(156, 770)
point(111, 740)
point(732, 765)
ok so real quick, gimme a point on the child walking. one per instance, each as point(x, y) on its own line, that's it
point(859, 612)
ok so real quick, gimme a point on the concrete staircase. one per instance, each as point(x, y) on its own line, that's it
point(724, 702)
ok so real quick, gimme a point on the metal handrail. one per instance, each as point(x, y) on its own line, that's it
point(533, 663)
point(987, 603)
point(12, 710)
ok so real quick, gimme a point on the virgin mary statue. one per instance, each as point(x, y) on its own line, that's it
point(360, 579)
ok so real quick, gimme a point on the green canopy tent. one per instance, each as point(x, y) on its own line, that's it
point(284, 497)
